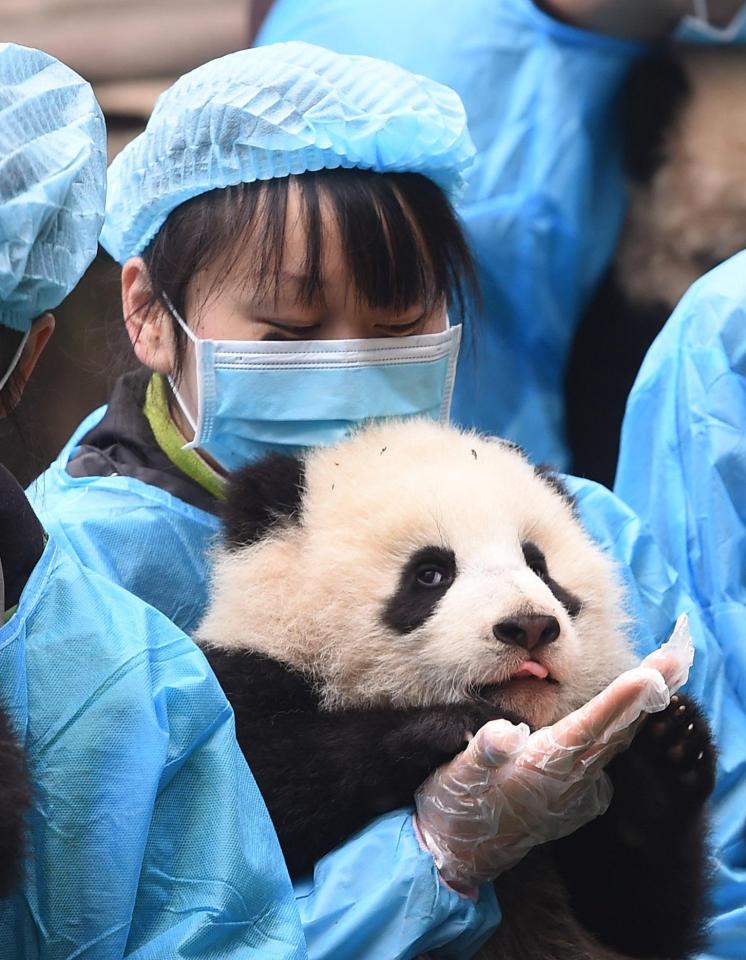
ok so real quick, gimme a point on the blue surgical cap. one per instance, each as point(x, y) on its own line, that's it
point(274, 111)
point(52, 182)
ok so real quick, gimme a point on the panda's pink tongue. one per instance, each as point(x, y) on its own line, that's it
point(531, 669)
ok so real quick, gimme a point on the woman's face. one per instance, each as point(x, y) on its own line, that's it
point(228, 307)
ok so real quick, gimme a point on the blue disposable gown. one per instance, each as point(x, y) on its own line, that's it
point(546, 194)
point(377, 896)
point(137, 844)
point(132, 531)
point(658, 593)
point(682, 463)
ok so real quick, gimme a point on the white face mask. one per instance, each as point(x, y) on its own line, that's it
point(255, 397)
point(14, 361)
point(697, 28)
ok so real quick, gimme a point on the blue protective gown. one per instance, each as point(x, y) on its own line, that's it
point(546, 193)
point(657, 595)
point(137, 846)
point(682, 462)
point(132, 531)
point(377, 896)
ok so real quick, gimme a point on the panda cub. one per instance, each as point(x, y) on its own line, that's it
point(376, 602)
point(683, 133)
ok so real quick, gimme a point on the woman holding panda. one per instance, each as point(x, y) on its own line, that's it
point(119, 770)
point(289, 260)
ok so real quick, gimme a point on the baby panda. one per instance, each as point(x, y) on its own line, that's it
point(376, 602)
point(683, 127)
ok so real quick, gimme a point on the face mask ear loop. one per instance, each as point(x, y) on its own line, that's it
point(14, 361)
point(195, 340)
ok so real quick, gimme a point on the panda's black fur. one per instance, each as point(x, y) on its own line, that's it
point(633, 883)
point(14, 801)
point(684, 140)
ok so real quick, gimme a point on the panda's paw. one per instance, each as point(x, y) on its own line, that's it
point(679, 739)
point(668, 772)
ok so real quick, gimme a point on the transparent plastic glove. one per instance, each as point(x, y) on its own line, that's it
point(511, 790)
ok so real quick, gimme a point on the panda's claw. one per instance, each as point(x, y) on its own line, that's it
point(672, 763)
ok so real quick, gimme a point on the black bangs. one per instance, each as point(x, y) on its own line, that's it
point(401, 240)
point(399, 235)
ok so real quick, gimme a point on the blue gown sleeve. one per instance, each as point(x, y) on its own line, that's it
point(546, 194)
point(682, 462)
point(147, 836)
point(658, 593)
point(395, 906)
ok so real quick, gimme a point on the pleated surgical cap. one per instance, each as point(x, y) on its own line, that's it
point(273, 111)
point(52, 182)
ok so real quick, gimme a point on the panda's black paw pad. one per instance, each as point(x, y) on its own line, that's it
point(679, 740)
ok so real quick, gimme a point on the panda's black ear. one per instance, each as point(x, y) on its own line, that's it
point(551, 476)
point(260, 496)
point(652, 99)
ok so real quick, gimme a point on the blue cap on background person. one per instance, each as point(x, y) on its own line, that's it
point(52, 182)
point(278, 110)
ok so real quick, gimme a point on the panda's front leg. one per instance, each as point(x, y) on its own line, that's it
point(15, 794)
point(637, 876)
point(324, 776)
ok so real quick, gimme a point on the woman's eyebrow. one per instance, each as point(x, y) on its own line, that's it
point(296, 282)
point(297, 279)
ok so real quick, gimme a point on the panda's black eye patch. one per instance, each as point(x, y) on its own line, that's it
point(424, 579)
point(537, 563)
point(535, 560)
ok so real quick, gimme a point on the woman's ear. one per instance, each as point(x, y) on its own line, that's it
point(41, 330)
point(148, 323)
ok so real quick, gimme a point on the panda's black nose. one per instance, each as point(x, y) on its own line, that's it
point(534, 630)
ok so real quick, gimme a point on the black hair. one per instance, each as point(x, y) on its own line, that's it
point(400, 236)
point(10, 341)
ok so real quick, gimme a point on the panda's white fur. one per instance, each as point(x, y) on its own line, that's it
point(691, 214)
point(311, 593)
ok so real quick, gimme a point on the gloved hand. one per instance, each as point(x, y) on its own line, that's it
point(511, 790)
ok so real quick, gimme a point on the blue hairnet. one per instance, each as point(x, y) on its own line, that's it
point(279, 110)
point(52, 182)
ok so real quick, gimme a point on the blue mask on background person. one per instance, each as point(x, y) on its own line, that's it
point(256, 397)
point(698, 28)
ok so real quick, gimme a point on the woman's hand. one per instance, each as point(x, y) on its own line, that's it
point(511, 790)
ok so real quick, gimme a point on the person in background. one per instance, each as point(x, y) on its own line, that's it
point(546, 196)
point(682, 464)
point(119, 770)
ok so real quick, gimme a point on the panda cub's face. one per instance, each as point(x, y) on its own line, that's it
point(417, 564)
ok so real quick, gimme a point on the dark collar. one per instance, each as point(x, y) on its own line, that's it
point(21, 539)
point(122, 444)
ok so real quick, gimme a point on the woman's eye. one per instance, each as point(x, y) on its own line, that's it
point(400, 329)
point(431, 576)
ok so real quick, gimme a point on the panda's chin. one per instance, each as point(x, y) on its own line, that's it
point(531, 699)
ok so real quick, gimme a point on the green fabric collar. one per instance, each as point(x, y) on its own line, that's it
point(170, 440)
